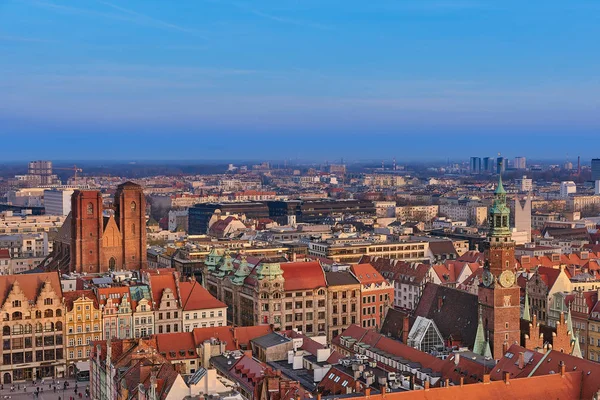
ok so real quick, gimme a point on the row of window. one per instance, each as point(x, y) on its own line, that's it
point(18, 315)
point(212, 315)
point(27, 342)
point(27, 356)
point(28, 328)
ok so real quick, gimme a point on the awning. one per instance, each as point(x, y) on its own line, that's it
point(82, 366)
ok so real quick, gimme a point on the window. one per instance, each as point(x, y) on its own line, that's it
point(90, 209)
point(133, 206)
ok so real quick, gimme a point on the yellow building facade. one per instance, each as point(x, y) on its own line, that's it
point(83, 321)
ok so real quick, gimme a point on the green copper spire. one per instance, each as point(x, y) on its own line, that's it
point(499, 212)
point(576, 352)
point(570, 324)
point(487, 353)
point(479, 345)
point(526, 315)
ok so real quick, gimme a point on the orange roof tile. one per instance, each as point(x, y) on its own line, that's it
point(365, 273)
point(303, 275)
point(195, 297)
point(30, 284)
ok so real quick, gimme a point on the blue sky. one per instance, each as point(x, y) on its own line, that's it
point(316, 79)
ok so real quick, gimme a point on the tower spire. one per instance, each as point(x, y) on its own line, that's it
point(526, 314)
point(480, 342)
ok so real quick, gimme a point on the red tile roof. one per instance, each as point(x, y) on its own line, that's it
point(366, 273)
point(195, 297)
point(30, 284)
point(233, 337)
point(303, 275)
point(158, 283)
point(70, 297)
point(176, 346)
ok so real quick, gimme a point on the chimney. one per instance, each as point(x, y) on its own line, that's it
point(406, 329)
point(319, 396)
point(507, 377)
point(367, 392)
point(504, 348)
point(521, 360)
point(486, 378)
point(440, 303)
point(383, 389)
point(456, 359)
point(426, 385)
point(447, 382)
point(462, 380)
point(562, 367)
point(356, 384)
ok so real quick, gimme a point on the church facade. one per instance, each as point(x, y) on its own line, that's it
point(96, 238)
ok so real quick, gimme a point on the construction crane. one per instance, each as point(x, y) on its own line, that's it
point(73, 168)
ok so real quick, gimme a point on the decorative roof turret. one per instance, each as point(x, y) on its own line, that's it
point(268, 270)
point(242, 272)
point(212, 259)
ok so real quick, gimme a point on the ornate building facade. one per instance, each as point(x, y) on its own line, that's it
point(83, 321)
point(32, 327)
point(499, 295)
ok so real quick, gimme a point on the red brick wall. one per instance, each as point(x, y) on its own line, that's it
point(86, 231)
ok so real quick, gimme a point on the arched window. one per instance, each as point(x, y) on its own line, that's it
point(17, 329)
point(133, 206)
point(16, 303)
point(90, 209)
point(49, 327)
point(112, 263)
point(38, 314)
point(17, 315)
point(39, 327)
point(133, 229)
point(28, 328)
point(59, 326)
point(58, 313)
point(6, 330)
point(48, 313)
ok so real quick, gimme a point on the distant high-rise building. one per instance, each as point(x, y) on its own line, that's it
point(475, 165)
point(596, 169)
point(567, 188)
point(568, 166)
point(597, 188)
point(488, 164)
point(520, 163)
point(43, 169)
point(500, 165)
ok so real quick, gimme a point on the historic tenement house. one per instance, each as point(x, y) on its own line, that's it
point(83, 326)
point(288, 295)
point(166, 299)
point(32, 327)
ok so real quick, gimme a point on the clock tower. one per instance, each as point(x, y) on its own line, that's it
point(499, 295)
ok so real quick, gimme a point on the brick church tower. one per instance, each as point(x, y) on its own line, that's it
point(86, 230)
point(499, 295)
point(130, 215)
point(102, 243)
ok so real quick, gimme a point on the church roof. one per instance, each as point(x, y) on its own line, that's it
point(454, 312)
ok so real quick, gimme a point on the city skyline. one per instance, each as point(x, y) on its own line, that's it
point(455, 73)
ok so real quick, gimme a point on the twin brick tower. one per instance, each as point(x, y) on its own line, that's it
point(97, 238)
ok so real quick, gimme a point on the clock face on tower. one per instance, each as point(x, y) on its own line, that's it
point(507, 279)
point(487, 277)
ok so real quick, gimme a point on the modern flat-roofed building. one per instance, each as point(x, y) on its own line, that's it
point(57, 202)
